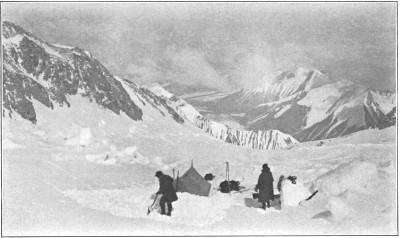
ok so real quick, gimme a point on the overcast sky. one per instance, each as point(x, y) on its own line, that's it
point(223, 46)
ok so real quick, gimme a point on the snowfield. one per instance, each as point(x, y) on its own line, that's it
point(86, 171)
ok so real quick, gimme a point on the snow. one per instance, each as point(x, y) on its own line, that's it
point(282, 110)
point(386, 103)
point(87, 53)
point(132, 203)
point(183, 108)
point(130, 150)
point(293, 194)
point(339, 208)
point(63, 46)
point(188, 111)
point(357, 176)
point(52, 49)
point(101, 159)
point(197, 94)
point(302, 72)
point(273, 104)
point(355, 193)
point(8, 144)
point(15, 40)
point(255, 139)
point(149, 113)
point(371, 136)
point(320, 100)
point(226, 121)
point(238, 114)
point(204, 97)
point(159, 91)
point(84, 138)
point(51, 188)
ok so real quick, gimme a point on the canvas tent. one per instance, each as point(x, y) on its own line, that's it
point(192, 182)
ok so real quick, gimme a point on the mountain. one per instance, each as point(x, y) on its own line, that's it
point(36, 71)
point(271, 139)
point(308, 105)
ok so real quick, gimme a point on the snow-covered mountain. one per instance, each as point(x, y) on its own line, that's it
point(271, 139)
point(308, 105)
point(35, 70)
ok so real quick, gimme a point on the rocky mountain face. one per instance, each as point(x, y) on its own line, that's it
point(257, 139)
point(34, 69)
point(38, 72)
point(308, 105)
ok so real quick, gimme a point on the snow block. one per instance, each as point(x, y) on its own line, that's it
point(293, 194)
point(357, 176)
point(339, 208)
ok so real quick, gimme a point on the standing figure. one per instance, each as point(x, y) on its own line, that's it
point(265, 185)
point(168, 192)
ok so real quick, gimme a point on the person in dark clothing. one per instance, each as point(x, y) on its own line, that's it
point(265, 185)
point(168, 192)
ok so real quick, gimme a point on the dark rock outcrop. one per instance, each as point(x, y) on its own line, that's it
point(34, 69)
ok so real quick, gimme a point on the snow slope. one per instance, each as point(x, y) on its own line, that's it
point(103, 186)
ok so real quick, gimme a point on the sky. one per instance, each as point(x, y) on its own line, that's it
point(223, 46)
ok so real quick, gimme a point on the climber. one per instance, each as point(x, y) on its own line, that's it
point(265, 185)
point(168, 192)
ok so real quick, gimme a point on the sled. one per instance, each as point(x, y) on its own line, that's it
point(241, 190)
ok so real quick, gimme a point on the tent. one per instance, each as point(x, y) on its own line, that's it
point(192, 182)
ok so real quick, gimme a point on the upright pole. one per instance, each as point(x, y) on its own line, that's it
point(227, 177)
point(177, 182)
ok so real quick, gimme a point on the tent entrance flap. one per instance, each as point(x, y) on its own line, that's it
point(192, 182)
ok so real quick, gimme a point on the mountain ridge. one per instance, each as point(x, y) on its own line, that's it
point(36, 66)
point(258, 139)
point(308, 105)
point(49, 74)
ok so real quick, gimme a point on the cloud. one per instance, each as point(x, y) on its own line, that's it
point(291, 56)
point(252, 70)
point(143, 72)
point(190, 67)
point(223, 46)
point(187, 67)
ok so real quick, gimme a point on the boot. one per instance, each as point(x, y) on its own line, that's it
point(263, 206)
point(169, 209)
point(268, 205)
point(162, 205)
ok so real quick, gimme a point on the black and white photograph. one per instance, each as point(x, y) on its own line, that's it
point(199, 119)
